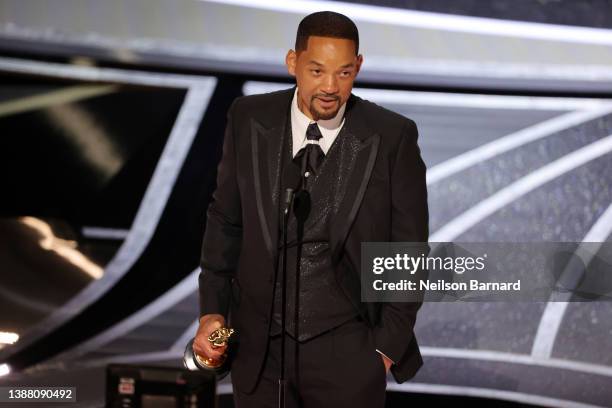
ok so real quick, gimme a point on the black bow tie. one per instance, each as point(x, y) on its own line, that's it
point(311, 155)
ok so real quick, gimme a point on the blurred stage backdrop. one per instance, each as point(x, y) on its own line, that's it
point(111, 122)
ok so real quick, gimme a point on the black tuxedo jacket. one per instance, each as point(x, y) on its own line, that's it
point(386, 200)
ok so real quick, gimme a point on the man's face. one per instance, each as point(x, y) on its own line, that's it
point(324, 73)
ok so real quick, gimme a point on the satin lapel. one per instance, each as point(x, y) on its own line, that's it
point(267, 126)
point(266, 154)
point(358, 178)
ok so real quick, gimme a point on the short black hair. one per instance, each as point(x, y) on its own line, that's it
point(326, 24)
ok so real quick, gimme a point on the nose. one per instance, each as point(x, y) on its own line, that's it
point(330, 85)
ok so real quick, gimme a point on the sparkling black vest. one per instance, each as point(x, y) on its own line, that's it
point(321, 303)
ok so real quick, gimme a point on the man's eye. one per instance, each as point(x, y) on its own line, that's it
point(316, 71)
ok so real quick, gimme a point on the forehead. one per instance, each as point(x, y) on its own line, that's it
point(329, 48)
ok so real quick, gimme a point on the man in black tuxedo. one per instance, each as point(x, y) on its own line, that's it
point(362, 168)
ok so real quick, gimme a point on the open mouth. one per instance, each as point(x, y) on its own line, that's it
point(327, 102)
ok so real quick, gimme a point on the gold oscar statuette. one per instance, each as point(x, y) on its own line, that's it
point(217, 338)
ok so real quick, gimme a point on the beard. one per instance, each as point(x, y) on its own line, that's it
point(320, 114)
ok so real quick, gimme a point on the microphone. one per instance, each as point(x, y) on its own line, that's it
point(301, 201)
point(288, 198)
point(301, 207)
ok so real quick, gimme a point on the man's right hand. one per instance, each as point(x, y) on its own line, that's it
point(201, 345)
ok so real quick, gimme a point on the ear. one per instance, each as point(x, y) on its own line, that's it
point(291, 61)
point(359, 62)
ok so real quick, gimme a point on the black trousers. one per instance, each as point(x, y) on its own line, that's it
point(339, 368)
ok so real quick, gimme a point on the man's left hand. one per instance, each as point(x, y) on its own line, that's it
point(387, 363)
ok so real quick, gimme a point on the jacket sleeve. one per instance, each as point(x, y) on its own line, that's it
point(409, 223)
point(222, 240)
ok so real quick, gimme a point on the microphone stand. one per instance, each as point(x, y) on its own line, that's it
point(282, 382)
point(301, 210)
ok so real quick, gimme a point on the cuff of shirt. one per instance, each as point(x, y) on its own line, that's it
point(385, 355)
